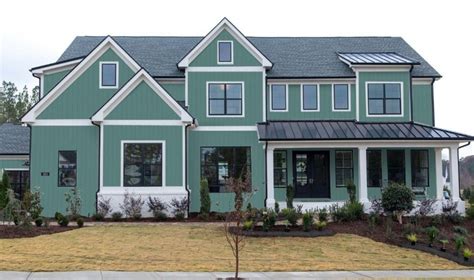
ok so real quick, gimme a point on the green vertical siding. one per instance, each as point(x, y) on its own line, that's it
point(143, 104)
point(422, 104)
point(172, 135)
point(83, 97)
point(46, 142)
point(225, 201)
point(50, 80)
point(176, 90)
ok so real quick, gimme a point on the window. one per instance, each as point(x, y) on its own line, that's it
point(225, 52)
point(18, 181)
point(310, 98)
point(108, 74)
point(396, 166)
point(374, 168)
point(384, 99)
point(344, 169)
point(67, 169)
point(142, 164)
point(278, 99)
point(225, 99)
point(220, 163)
point(340, 97)
point(419, 168)
point(279, 168)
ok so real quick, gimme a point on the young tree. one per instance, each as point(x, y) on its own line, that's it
point(205, 198)
point(397, 199)
point(4, 187)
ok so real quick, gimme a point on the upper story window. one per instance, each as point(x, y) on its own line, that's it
point(225, 52)
point(108, 74)
point(225, 99)
point(340, 97)
point(67, 168)
point(310, 98)
point(279, 98)
point(142, 164)
point(384, 98)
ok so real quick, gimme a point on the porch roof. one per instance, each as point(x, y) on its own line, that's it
point(352, 130)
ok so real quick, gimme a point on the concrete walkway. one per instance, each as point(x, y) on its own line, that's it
point(106, 275)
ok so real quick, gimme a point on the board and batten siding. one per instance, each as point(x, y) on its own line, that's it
point(176, 90)
point(50, 80)
point(423, 104)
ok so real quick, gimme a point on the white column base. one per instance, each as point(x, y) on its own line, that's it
point(270, 203)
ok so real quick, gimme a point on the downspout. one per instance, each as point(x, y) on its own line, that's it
point(411, 94)
point(29, 156)
point(266, 174)
point(459, 171)
point(98, 172)
point(186, 161)
point(432, 102)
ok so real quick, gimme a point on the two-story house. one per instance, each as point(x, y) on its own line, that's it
point(151, 116)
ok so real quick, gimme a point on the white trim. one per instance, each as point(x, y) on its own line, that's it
point(302, 109)
point(101, 157)
point(368, 143)
point(322, 81)
point(183, 156)
point(225, 128)
point(224, 24)
point(14, 157)
point(225, 116)
point(362, 157)
point(383, 115)
point(231, 52)
point(422, 81)
point(264, 96)
point(116, 74)
point(357, 85)
point(17, 169)
point(62, 122)
point(106, 44)
point(163, 160)
point(186, 81)
point(56, 67)
point(333, 92)
point(144, 122)
point(286, 98)
point(225, 69)
point(270, 202)
point(41, 92)
point(141, 76)
point(169, 190)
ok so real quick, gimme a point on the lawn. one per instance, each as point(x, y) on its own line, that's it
point(202, 247)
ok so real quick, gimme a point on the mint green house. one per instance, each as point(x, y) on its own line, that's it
point(151, 116)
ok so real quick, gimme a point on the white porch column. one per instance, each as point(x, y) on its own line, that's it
point(453, 172)
point(439, 173)
point(363, 197)
point(270, 203)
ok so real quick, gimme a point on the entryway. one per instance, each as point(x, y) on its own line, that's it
point(311, 174)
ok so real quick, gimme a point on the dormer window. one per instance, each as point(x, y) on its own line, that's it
point(108, 74)
point(225, 52)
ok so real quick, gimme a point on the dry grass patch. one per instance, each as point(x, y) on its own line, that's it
point(202, 247)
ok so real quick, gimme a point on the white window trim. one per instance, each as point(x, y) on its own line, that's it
point(231, 53)
point(383, 115)
point(348, 98)
point(116, 74)
point(302, 99)
point(225, 116)
point(163, 161)
point(286, 97)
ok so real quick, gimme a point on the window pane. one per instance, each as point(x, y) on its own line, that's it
point(375, 106)
point(279, 165)
point(396, 166)
point(279, 159)
point(234, 107)
point(278, 97)
point(341, 97)
point(375, 90)
point(67, 176)
point(310, 97)
point(234, 91)
point(392, 106)
point(420, 168)
point(216, 107)
point(109, 72)
point(216, 90)
point(143, 164)
point(392, 91)
point(374, 168)
point(225, 52)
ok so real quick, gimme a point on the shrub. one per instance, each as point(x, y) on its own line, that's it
point(12, 210)
point(437, 220)
point(336, 212)
point(444, 242)
point(247, 225)
point(470, 212)
point(351, 191)
point(32, 204)
point(277, 207)
point(320, 225)
point(116, 216)
point(180, 207)
point(412, 238)
point(290, 195)
point(397, 199)
point(58, 216)
point(63, 221)
point(73, 203)
point(355, 211)
point(205, 198)
point(132, 207)
point(454, 218)
point(308, 221)
point(459, 242)
point(467, 253)
point(373, 219)
point(291, 216)
point(251, 214)
point(80, 222)
point(4, 187)
point(461, 230)
point(157, 207)
point(268, 219)
point(432, 233)
point(323, 215)
point(425, 207)
point(103, 208)
point(39, 222)
point(97, 217)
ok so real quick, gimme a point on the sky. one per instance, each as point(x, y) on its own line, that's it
point(37, 32)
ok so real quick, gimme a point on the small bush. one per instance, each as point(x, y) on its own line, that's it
point(63, 221)
point(31, 203)
point(412, 238)
point(437, 220)
point(320, 225)
point(443, 242)
point(103, 208)
point(4, 187)
point(355, 211)
point(290, 195)
point(73, 203)
point(132, 207)
point(117, 216)
point(291, 216)
point(80, 222)
point(459, 242)
point(157, 208)
point(247, 225)
point(97, 217)
point(58, 216)
point(180, 216)
point(180, 207)
point(277, 208)
point(336, 212)
point(205, 198)
point(323, 215)
point(268, 219)
point(461, 230)
point(373, 219)
point(308, 221)
point(470, 212)
point(425, 207)
point(397, 199)
point(351, 191)
point(454, 218)
point(467, 253)
point(432, 233)
point(39, 222)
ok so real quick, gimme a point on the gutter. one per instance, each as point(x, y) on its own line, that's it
point(266, 175)
point(411, 93)
point(98, 173)
point(188, 191)
point(459, 171)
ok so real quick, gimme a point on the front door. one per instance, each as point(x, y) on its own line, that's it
point(311, 174)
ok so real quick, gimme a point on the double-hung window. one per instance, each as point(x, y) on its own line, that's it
point(309, 99)
point(142, 164)
point(374, 168)
point(419, 168)
point(225, 52)
point(278, 98)
point(108, 74)
point(396, 166)
point(344, 168)
point(384, 98)
point(341, 97)
point(225, 99)
point(67, 168)
point(279, 168)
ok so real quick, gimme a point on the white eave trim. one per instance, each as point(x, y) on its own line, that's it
point(56, 67)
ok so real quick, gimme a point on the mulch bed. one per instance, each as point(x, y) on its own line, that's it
point(7, 232)
point(280, 231)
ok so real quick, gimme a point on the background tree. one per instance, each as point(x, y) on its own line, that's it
point(14, 104)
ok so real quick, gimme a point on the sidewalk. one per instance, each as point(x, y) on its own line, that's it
point(106, 275)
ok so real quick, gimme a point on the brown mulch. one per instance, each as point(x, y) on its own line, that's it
point(7, 232)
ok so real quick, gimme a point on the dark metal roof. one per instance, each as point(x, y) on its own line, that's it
point(292, 57)
point(14, 139)
point(377, 58)
point(352, 130)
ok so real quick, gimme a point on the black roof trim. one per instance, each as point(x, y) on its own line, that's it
point(58, 62)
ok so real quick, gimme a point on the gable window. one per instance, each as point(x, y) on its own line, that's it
point(278, 98)
point(374, 168)
point(225, 99)
point(218, 164)
point(310, 98)
point(396, 166)
point(384, 99)
point(344, 168)
point(279, 168)
point(419, 168)
point(340, 97)
point(67, 168)
point(108, 74)
point(225, 52)
point(142, 164)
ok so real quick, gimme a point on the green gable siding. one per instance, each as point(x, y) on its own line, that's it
point(422, 104)
point(208, 56)
point(384, 77)
point(325, 106)
point(253, 86)
point(50, 80)
point(83, 97)
point(13, 163)
point(176, 90)
point(47, 142)
point(142, 104)
point(172, 135)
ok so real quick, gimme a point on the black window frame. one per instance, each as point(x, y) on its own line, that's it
point(413, 168)
point(142, 164)
point(231, 54)
point(280, 169)
point(62, 168)
point(384, 100)
point(102, 64)
point(303, 107)
point(286, 98)
point(334, 108)
point(19, 187)
point(343, 185)
point(225, 99)
point(391, 168)
point(374, 170)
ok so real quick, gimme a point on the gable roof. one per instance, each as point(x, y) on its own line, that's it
point(292, 57)
point(14, 139)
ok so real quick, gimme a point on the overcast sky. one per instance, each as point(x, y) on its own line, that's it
point(37, 32)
